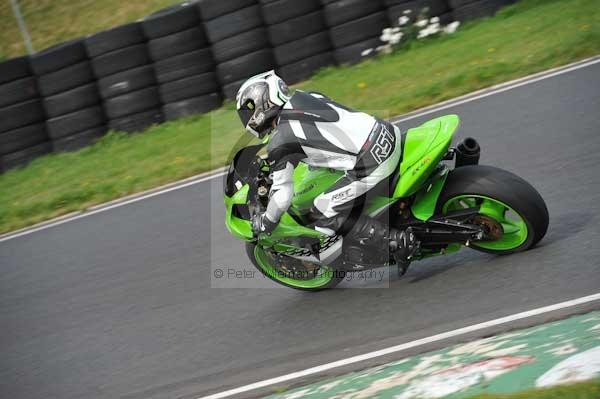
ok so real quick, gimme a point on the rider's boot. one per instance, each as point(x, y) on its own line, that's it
point(402, 244)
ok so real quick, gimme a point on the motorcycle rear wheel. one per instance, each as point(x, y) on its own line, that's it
point(510, 208)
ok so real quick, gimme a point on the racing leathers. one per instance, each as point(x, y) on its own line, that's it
point(322, 133)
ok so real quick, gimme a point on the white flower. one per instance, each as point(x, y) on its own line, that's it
point(451, 28)
point(421, 23)
point(434, 28)
point(434, 20)
point(386, 34)
point(406, 12)
point(430, 30)
point(396, 30)
point(395, 39)
point(403, 20)
point(366, 52)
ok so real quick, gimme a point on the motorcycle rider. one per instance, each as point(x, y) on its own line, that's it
point(314, 129)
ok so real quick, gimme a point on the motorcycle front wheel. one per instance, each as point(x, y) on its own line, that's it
point(312, 278)
point(512, 212)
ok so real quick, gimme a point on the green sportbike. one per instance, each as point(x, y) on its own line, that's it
point(481, 207)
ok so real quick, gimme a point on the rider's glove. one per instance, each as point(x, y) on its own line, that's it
point(262, 224)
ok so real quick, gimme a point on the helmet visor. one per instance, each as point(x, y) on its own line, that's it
point(245, 115)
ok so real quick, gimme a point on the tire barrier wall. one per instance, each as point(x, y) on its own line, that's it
point(184, 60)
point(125, 77)
point(355, 27)
point(299, 37)
point(23, 134)
point(238, 39)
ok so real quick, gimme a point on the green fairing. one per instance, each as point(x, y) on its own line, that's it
point(309, 183)
point(239, 228)
point(426, 200)
point(424, 148)
point(288, 227)
point(377, 203)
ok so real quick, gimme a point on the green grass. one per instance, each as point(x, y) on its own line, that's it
point(528, 37)
point(583, 390)
point(54, 21)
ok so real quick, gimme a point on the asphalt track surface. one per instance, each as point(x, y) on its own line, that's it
point(124, 303)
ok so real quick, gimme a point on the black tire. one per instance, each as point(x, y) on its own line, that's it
point(435, 8)
point(504, 186)
point(302, 48)
point(75, 122)
point(446, 18)
point(192, 106)
point(25, 156)
point(460, 3)
point(304, 69)
point(66, 79)
point(358, 30)
point(391, 3)
point(58, 57)
point(15, 68)
point(357, 52)
point(171, 20)
point(120, 60)
point(337, 278)
point(18, 91)
point(238, 45)
point(79, 140)
point(342, 11)
point(296, 28)
point(210, 9)
point(192, 86)
point(232, 24)
point(132, 103)
point(22, 114)
point(127, 81)
point(26, 136)
point(72, 100)
point(245, 66)
point(479, 9)
point(114, 39)
point(137, 122)
point(281, 10)
point(177, 43)
point(184, 65)
point(230, 90)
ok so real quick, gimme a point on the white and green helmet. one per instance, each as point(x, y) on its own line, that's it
point(260, 100)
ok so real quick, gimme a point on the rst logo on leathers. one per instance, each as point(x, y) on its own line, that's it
point(383, 146)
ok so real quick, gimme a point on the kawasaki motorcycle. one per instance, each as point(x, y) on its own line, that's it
point(482, 207)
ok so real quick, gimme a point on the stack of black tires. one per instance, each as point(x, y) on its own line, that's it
point(414, 8)
point(182, 61)
point(125, 78)
point(299, 37)
point(70, 95)
point(22, 128)
point(355, 27)
point(464, 10)
point(238, 41)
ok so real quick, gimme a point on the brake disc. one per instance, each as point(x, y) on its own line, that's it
point(492, 228)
